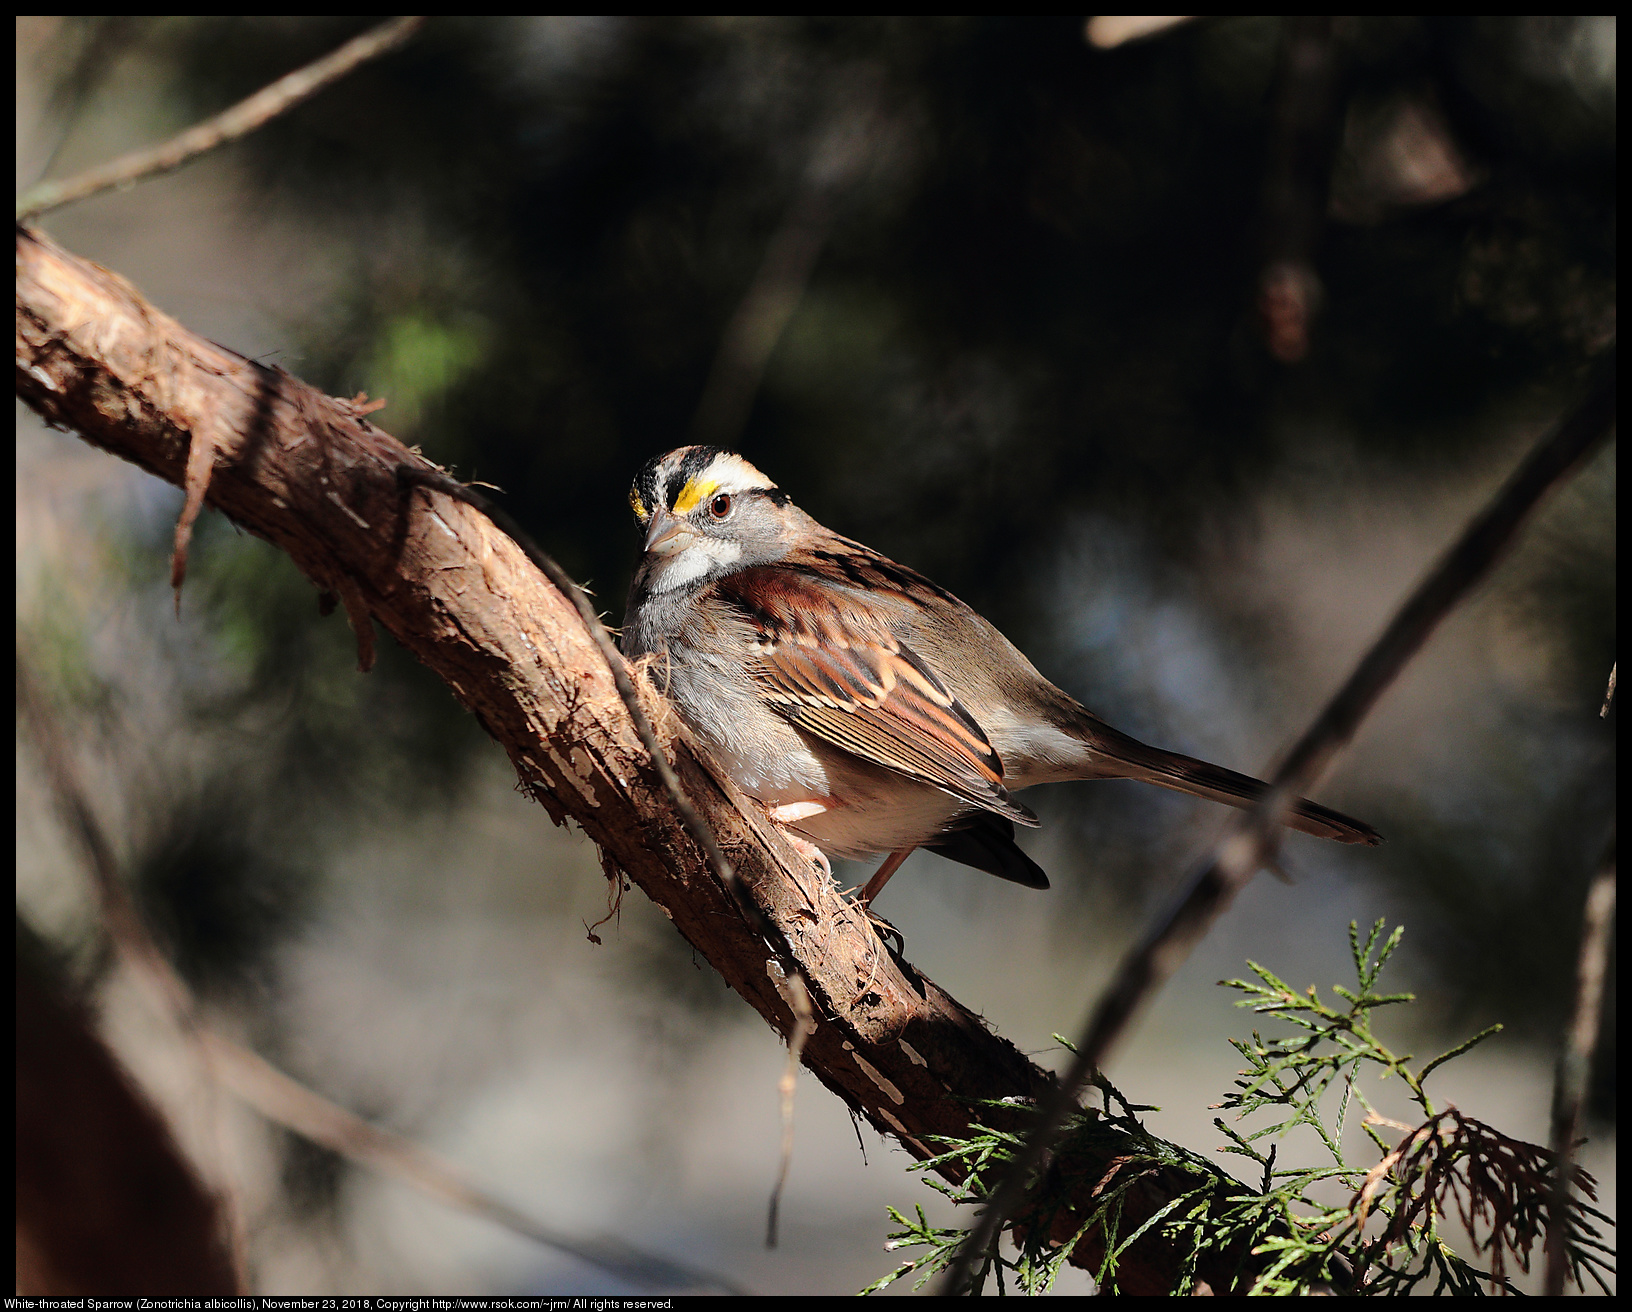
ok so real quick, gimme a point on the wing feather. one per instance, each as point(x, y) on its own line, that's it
point(834, 669)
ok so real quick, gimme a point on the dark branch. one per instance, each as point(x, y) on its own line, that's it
point(1253, 839)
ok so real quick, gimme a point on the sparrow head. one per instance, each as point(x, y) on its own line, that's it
point(706, 513)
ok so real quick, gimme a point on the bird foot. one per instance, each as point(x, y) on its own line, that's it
point(884, 930)
point(809, 851)
point(791, 813)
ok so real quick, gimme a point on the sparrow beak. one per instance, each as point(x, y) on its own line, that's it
point(666, 535)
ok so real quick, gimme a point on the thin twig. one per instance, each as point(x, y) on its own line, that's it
point(797, 996)
point(291, 1104)
point(1294, 205)
point(1575, 1062)
point(164, 990)
point(243, 118)
point(1609, 694)
point(1108, 31)
point(1253, 839)
point(107, 39)
point(277, 1096)
point(750, 337)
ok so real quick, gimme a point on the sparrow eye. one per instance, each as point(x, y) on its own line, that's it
point(720, 507)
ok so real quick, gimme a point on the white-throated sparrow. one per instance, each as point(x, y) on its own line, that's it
point(867, 708)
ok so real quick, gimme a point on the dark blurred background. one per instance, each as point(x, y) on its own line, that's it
point(1180, 357)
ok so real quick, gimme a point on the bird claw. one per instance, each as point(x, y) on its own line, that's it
point(809, 851)
point(884, 930)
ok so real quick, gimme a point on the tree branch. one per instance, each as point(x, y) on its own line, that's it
point(1253, 839)
point(277, 1096)
point(311, 475)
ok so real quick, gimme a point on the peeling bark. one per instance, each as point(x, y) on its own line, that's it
point(309, 473)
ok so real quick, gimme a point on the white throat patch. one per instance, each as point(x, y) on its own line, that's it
point(702, 557)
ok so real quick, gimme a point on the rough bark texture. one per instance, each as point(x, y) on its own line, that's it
point(309, 474)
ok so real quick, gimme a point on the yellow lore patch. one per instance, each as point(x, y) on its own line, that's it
point(694, 493)
point(638, 506)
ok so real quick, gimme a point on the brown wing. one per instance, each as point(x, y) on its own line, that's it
point(837, 672)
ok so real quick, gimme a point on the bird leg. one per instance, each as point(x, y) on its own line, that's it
point(875, 885)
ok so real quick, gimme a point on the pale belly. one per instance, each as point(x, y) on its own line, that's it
point(915, 815)
point(867, 809)
point(864, 809)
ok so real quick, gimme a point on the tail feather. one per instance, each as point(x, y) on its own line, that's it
point(1117, 756)
point(986, 842)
